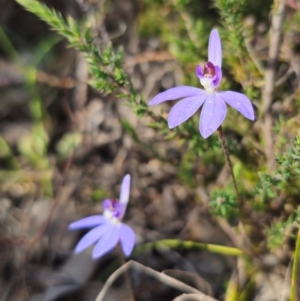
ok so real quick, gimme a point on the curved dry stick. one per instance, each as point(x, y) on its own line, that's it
point(191, 297)
point(157, 275)
point(267, 94)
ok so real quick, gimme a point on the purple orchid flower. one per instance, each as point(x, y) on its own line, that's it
point(108, 229)
point(214, 103)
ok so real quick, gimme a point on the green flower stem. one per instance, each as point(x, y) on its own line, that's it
point(295, 270)
point(227, 156)
point(126, 273)
point(243, 214)
point(187, 244)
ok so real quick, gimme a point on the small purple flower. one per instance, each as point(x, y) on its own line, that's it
point(107, 228)
point(214, 103)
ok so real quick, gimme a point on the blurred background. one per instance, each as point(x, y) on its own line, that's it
point(64, 147)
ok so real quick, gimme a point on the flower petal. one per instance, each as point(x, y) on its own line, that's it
point(106, 204)
point(125, 190)
point(107, 241)
point(184, 109)
point(127, 238)
point(199, 72)
point(175, 93)
point(88, 222)
point(91, 237)
point(124, 194)
point(218, 78)
point(215, 49)
point(240, 102)
point(213, 114)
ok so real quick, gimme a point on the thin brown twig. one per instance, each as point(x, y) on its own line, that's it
point(222, 139)
point(149, 56)
point(34, 241)
point(246, 242)
point(67, 107)
point(267, 95)
point(69, 82)
point(55, 81)
point(41, 76)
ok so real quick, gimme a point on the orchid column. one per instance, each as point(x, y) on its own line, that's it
point(108, 228)
point(214, 108)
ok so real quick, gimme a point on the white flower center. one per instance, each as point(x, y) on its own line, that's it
point(207, 83)
point(109, 214)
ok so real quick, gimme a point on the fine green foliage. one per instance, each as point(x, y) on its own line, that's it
point(32, 146)
point(237, 55)
point(105, 66)
point(285, 181)
point(231, 12)
point(68, 143)
point(223, 204)
point(281, 231)
point(277, 232)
